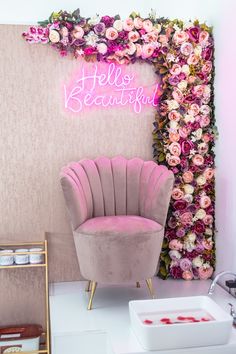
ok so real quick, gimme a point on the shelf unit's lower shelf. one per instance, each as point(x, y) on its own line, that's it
point(44, 348)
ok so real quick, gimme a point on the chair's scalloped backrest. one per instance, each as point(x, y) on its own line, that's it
point(116, 186)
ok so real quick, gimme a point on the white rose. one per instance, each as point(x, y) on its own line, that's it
point(188, 24)
point(207, 90)
point(198, 134)
point(175, 254)
point(157, 27)
point(200, 214)
point(173, 124)
point(91, 39)
point(131, 48)
point(54, 36)
point(198, 50)
point(118, 25)
point(170, 57)
point(188, 189)
point(188, 198)
point(189, 118)
point(185, 69)
point(189, 246)
point(208, 231)
point(94, 20)
point(172, 104)
point(201, 180)
point(102, 48)
point(182, 85)
point(197, 262)
point(191, 237)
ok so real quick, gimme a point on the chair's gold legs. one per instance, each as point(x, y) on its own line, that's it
point(93, 289)
point(137, 284)
point(150, 287)
point(87, 289)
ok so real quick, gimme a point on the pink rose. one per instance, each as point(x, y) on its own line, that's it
point(180, 37)
point(128, 24)
point(111, 33)
point(177, 194)
point(205, 201)
point(208, 219)
point(207, 67)
point(203, 37)
point(138, 50)
point(175, 149)
point(204, 121)
point(174, 137)
point(207, 244)
point(64, 31)
point(180, 204)
point(209, 173)
point(191, 79)
point(186, 218)
point(199, 227)
point(188, 177)
point(187, 275)
point(186, 146)
point(177, 95)
point(147, 51)
point(205, 273)
point(186, 48)
point(193, 59)
point(174, 115)
point(183, 132)
point(194, 33)
point(133, 36)
point(198, 160)
point(194, 109)
point(78, 32)
point(175, 245)
point(138, 23)
point(198, 90)
point(163, 39)
point(206, 137)
point(102, 48)
point(176, 69)
point(147, 25)
point(173, 161)
point(185, 264)
point(203, 148)
point(150, 37)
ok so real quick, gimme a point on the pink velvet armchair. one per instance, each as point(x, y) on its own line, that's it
point(118, 210)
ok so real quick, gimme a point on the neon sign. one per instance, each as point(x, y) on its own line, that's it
point(109, 87)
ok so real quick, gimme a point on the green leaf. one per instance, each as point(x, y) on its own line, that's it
point(134, 14)
point(76, 14)
point(161, 157)
point(43, 23)
point(163, 272)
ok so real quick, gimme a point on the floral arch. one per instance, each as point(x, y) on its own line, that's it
point(184, 126)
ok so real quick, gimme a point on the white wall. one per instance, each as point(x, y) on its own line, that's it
point(220, 14)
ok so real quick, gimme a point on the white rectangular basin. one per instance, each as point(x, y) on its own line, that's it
point(179, 322)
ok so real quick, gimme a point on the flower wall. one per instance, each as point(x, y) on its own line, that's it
point(184, 127)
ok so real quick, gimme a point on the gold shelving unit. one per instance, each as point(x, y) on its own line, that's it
point(45, 347)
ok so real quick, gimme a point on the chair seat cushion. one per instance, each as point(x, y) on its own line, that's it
point(120, 225)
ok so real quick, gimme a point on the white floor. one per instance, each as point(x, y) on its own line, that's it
point(106, 329)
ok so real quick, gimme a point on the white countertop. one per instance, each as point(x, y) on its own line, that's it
point(110, 314)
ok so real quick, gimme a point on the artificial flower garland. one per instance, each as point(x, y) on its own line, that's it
point(184, 128)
